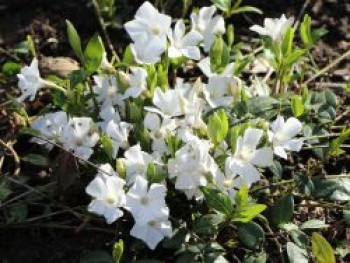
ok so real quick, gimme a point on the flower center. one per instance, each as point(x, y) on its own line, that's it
point(144, 200)
point(110, 199)
point(244, 155)
point(227, 183)
point(152, 223)
point(156, 30)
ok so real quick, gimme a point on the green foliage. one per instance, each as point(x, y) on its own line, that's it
point(322, 250)
point(251, 234)
point(74, 40)
point(118, 250)
point(296, 254)
point(219, 55)
point(282, 211)
point(93, 54)
point(218, 201)
point(218, 126)
point(245, 209)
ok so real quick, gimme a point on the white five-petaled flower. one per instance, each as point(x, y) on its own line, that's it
point(247, 156)
point(229, 183)
point(182, 44)
point(107, 114)
point(281, 136)
point(147, 52)
point(137, 83)
point(275, 28)
point(118, 132)
point(168, 103)
point(136, 163)
point(220, 91)
point(153, 231)
point(146, 203)
point(148, 24)
point(208, 25)
point(108, 196)
point(205, 67)
point(158, 129)
point(79, 137)
point(50, 127)
point(30, 81)
point(107, 91)
point(192, 165)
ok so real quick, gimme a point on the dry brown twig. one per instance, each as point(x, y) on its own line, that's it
point(17, 161)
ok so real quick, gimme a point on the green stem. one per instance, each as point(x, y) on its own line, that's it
point(54, 86)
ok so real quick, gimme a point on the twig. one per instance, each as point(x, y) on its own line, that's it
point(302, 11)
point(104, 30)
point(11, 179)
point(15, 157)
point(328, 67)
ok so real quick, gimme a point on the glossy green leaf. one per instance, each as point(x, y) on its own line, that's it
point(251, 234)
point(297, 106)
point(74, 40)
point(118, 250)
point(313, 224)
point(322, 250)
point(218, 126)
point(296, 254)
point(218, 201)
point(282, 211)
point(93, 54)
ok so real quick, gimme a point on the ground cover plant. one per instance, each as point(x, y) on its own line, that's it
point(183, 144)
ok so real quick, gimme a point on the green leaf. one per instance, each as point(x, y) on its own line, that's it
point(219, 55)
point(97, 256)
point(107, 145)
point(256, 258)
point(282, 211)
point(218, 126)
point(36, 159)
point(297, 106)
point(128, 57)
point(223, 5)
point(313, 224)
point(251, 234)
point(287, 43)
point(207, 224)
point(346, 214)
point(74, 40)
point(218, 201)
point(11, 68)
point(246, 9)
point(322, 250)
point(93, 54)
point(335, 146)
point(294, 57)
point(245, 210)
point(305, 31)
point(300, 238)
point(296, 254)
point(118, 250)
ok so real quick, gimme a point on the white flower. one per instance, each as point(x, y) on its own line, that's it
point(281, 135)
point(153, 231)
point(229, 183)
point(148, 24)
point(182, 44)
point(118, 132)
point(246, 157)
point(146, 204)
point(192, 164)
point(168, 103)
point(107, 114)
point(136, 163)
point(79, 137)
point(204, 65)
point(30, 81)
point(50, 127)
point(107, 90)
point(147, 52)
point(108, 196)
point(275, 28)
point(137, 82)
point(260, 65)
point(106, 170)
point(208, 25)
point(158, 129)
point(220, 91)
